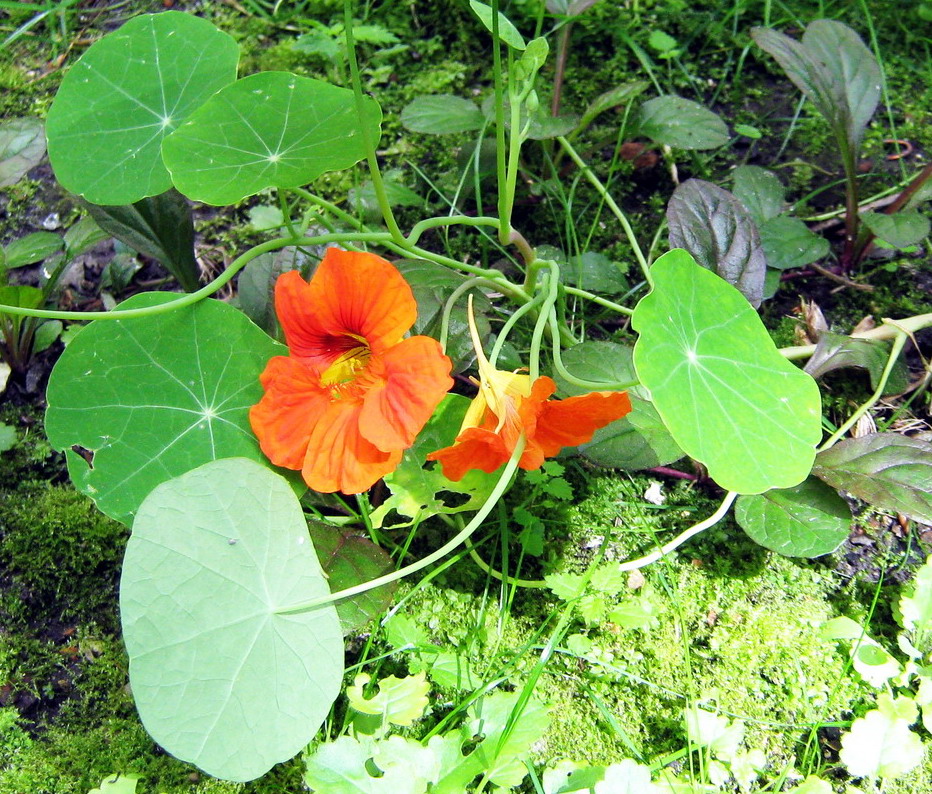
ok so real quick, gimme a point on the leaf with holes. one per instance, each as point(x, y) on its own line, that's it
point(153, 397)
point(725, 393)
point(220, 678)
point(348, 560)
point(718, 231)
point(417, 492)
point(886, 470)
point(272, 129)
point(807, 520)
point(681, 123)
point(125, 94)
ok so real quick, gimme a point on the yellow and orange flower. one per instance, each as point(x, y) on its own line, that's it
point(509, 404)
point(353, 394)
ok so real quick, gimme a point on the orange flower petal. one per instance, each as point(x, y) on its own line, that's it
point(338, 458)
point(475, 448)
point(352, 296)
point(571, 422)
point(413, 377)
point(285, 416)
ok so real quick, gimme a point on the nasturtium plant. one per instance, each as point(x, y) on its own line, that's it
point(725, 393)
point(150, 398)
point(220, 677)
point(271, 129)
point(126, 93)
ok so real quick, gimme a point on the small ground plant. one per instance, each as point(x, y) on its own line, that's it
point(286, 459)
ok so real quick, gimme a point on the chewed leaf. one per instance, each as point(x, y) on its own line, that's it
point(272, 129)
point(419, 492)
point(219, 677)
point(153, 397)
point(724, 392)
point(125, 94)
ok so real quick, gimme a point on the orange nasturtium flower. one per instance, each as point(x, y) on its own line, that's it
point(509, 404)
point(353, 393)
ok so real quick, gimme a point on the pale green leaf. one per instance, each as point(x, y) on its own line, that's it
point(399, 701)
point(626, 777)
point(807, 520)
point(126, 93)
point(22, 146)
point(153, 397)
point(813, 785)
point(724, 392)
point(501, 755)
point(117, 784)
point(219, 677)
point(271, 129)
point(916, 606)
point(619, 95)
point(879, 745)
point(340, 767)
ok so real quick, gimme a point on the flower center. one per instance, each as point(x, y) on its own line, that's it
point(344, 367)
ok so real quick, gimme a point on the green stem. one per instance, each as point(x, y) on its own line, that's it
point(510, 324)
point(610, 202)
point(500, 487)
point(509, 580)
point(504, 226)
point(462, 289)
point(371, 157)
point(589, 296)
point(889, 330)
point(895, 350)
point(204, 292)
point(546, 310)
point(286, 213)
point(450, 220)
point(582, 383)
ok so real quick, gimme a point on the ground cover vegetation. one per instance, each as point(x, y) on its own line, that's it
point(455, 397)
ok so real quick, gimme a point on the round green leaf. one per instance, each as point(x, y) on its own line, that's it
point(219, 678)
point(725, 393)
point(807, 520)
point(125, 94)
point(272, 129)
point(153, 397)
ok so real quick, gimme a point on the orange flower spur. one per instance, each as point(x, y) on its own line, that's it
point(353, 393)
point(509, 404)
